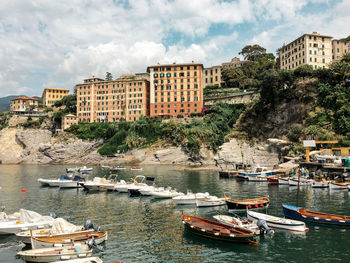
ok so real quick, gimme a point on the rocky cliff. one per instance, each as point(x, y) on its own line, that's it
point(38, 146)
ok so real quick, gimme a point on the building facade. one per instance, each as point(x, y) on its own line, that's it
point(309, 49)
point(175, 89)
point(339, 48)
point(24, 104)
point(123, 99)
point(51, 95)
point(68, 120)
point(212, 75)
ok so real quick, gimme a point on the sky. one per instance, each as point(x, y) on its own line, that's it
point(60, 43)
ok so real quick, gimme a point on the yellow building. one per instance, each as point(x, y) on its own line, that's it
point(339, 48)
point(123, 99)
point(51, 95)
point(309, 49)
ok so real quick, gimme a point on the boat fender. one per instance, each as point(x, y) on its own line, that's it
point(249, 206)
point(264, 227)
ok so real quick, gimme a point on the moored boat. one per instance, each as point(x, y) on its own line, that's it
point(166, 193)
point(238, 222)
point(257, 178)
point(217, 231)
point(322, 184)
point(283, 181)
point(278, 222)
point(74, 183)
point(210, 201)
point(137, 181)
point(254, 203)
point(82, 260)
point(272, 180)
point(136, 168)
point(189, 198)
point(303, 214)
point(338, 186)
point(68, 239)
point(300, 182)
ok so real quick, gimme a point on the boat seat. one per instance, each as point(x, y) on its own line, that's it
point(78, 249)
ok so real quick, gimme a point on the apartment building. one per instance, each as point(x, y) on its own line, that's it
point(51, 95)
point(212, 75)
point(175, 89)
point(122, 99)
point(309, 49)
point(68, 120)
point(23, 104)
point(339, 48)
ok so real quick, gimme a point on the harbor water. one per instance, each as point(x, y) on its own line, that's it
point(143, 229)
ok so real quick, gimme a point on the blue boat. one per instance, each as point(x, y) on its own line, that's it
point(303, 214)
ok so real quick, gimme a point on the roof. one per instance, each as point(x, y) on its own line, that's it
point(175, 65)
point(70, 115)
point(313, 34)
point(25, 98)
point(56, 88)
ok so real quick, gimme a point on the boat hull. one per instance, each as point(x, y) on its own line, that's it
point(319, 185)
point(257, 203)
point(334, 186)
point(209, 203)
point(327, 219)
point(10, 227)
point(83, 260)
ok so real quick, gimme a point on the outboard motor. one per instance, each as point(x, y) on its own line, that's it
point(88, 225)
point(264, 227)
point(92, 244)
point(53, 215)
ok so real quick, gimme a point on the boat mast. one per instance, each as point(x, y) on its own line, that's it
point(298, 187)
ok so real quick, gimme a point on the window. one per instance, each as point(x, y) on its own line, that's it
point(168, 75)
point(323, 60)
point(161, 75)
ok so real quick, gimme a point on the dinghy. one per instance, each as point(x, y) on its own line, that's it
point(210, 201)
point(255, 203)
point(82, 260)
point(278, 222)
point(124, 188)
point(189, 198)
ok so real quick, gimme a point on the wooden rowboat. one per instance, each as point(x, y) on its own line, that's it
point(338, 186)
point(217, 231)
point(68, 240)
point(82, 260)
point(55, 254)
point(315, 217)
point(255, 203)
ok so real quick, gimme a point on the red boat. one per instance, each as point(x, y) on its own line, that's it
point(217, 231)
point(272, 180)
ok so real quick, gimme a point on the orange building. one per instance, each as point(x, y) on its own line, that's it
point(24, 104)
point(175, 89)
point(68, 120)
point(123, 99)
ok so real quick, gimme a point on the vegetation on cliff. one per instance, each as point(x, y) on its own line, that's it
point(120, 137)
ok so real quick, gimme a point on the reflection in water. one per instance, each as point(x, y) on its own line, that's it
point(144, 229)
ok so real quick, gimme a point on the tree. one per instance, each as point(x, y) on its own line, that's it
point(249, 52)
point(109, 76)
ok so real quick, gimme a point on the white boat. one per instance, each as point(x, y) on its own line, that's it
point(257, 178)
point(283, 181)
point(55, 182)
point(302, 182)
point(102, 184)
point(55, 253)
point(238, 222)
point(322, 184)
point(74, 183)
point(166, 193)
point(85, 169)
point(278, 222)
point(27, 220)
point(59, 227)
point(189, 198)
point(5, 217)
point(136, 168)
point(338, 186)
point(72, 169)
point(78, 169)
point(69, 239)
point(82, 260)
point(210, 201)
point(124, 188)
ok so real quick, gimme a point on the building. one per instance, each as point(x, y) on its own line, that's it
point(51, 95)
point(68, 120)
point(212, 75)
point(24, 104)
point(309, 49)
point(123, 99)
point(339, 48)
point(175, 89)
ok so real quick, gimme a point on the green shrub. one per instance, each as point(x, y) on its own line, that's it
point(179, 116)
point(294, 133)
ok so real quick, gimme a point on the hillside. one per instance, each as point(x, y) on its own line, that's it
point(5, 102)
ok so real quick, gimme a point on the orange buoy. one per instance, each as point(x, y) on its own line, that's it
point(23, 190)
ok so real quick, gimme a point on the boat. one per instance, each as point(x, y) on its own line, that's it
point(338, 186)
point(68, 239)
point(255, 203)
point(78, 169)
point(27, 220)
point(136, 188)
point(283, 181)
point(301, 182)
point(272, 180)
point(82, 260)
point(54, 182)
point(278, 222)
point(85, 169)
point(5, 217)
point(117, 167)
point(262, 172)
point(59, 227)
point(217, 231)
point(73, 183)
point(239, 222)
point(257, 178)
point(136, 168)
point(323, 184)
point(189, 198)
point(166, 193)
point(210, 201)
point(303, 214)
point(102, 184)
point(52, 254)
point(105, 166)
point(124, 188)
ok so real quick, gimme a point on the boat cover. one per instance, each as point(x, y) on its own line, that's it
point(27, 216)
point(60, 226)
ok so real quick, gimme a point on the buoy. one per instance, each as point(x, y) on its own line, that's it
point(0, 188)
point(23, 190)
point(256, 205)
point(261, 205)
